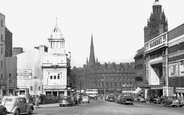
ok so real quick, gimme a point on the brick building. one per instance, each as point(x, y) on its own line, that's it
point(107, 77)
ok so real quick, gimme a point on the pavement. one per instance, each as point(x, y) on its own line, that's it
point(47, 105)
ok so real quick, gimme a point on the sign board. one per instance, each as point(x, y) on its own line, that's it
point(173, 69)
point(24, 74)
point(181, 67)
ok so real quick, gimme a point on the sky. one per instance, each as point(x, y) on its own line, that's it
point(117, 25)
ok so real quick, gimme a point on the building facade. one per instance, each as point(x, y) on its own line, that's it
point(107, 77)
point(8, 79)
point(154, 55)
point(2, 55)
point(176, 61)
point(45, 70)
point(163, 57)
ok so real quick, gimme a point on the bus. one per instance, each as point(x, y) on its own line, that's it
point(93, 93)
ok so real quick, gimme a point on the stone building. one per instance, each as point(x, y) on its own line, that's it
point(8, 78)
point(176, 60)
point(107, 77)
point(163, 57)
point(45, 70)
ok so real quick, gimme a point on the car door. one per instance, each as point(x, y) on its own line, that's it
point(22, 105)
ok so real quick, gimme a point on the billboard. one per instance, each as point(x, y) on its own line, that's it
point(24, 74)
point(173, 70)
point(181, 67)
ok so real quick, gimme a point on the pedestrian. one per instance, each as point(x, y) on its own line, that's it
point(37, 101)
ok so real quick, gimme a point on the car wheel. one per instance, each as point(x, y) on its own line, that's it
point(4, 113)
point(31, 111)
point(17, 112)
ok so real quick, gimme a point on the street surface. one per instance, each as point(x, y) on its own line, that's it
point(102, 107)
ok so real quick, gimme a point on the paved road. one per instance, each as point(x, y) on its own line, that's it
point(109, 108)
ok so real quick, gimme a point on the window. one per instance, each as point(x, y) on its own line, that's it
point(173, 49)
point(182, 46)
point(1, 23)
point(1, 64)
point(1, 76)
point(51, 77)
point(58, 76)
point(1, 50)
point(1, 37)
point(54, 77)
point(31, 88)
point(9, 75)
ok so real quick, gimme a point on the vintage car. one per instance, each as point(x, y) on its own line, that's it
point(3, 110)
point(173, 101)
point(119, 98)
point(127, 100)
point(17, 105)
point(85, 99)
point(111, 98)
point(65, 101)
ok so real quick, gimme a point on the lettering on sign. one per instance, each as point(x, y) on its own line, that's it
point(24, 74)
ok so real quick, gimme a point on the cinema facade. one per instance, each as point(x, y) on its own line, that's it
point(164, 63)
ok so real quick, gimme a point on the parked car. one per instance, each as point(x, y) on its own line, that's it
point(74, 100)
point(111, 98)
point(127, 100)
point(17, 105)
point(3, 110)
point(173, 101)
point(85, 99)
point(65, 101)
point(119, 98)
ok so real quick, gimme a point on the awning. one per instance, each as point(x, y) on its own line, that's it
point(137, 90)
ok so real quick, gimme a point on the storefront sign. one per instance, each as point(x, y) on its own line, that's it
point(181, 67)
point(173, 70)
point(24, 74)
point(156, 42)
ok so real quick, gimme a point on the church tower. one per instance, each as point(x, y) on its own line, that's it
point(92, 54)
point(56, 42)
point(157, 23)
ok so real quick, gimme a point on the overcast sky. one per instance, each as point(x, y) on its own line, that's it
point(116, 25)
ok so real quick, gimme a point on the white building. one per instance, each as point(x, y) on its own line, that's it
point(43, 70)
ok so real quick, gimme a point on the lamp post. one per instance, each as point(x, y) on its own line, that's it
point(9, 74)
point(104, 85)
point(174, 88)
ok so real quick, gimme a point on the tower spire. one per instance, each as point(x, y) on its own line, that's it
point(92, 54)
point(56, 21)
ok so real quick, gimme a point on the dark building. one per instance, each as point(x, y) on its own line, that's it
point(150, 61)
point(156, 24)
point(176, 60)
point(8, 43)
point(140, 79)
point(107, 77)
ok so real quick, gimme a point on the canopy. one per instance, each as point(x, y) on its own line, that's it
point(137, 90)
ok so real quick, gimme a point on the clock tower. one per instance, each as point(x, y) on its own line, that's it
point(156, 24)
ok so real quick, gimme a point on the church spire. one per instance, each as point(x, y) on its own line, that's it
point(92, 54)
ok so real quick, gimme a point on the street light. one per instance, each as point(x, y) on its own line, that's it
point(174, 88)
point(104, 84)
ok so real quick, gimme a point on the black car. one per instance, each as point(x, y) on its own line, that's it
point(3, 110)
point(111, 98)
point(65, 101)
point(127, 100)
